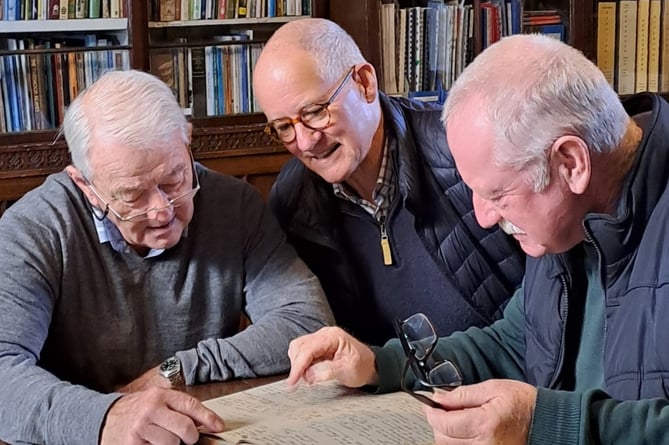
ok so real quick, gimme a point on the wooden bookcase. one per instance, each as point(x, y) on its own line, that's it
point(233, 144)
point(361, 19)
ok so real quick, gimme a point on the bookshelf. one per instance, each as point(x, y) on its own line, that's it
point(362, 20)
point(232, 143)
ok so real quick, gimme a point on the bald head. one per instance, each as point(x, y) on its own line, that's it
point(329, 49)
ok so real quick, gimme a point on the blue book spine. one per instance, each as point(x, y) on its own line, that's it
point(12, 86)
point(12, 11)
point(245, 78)
point(516, 16)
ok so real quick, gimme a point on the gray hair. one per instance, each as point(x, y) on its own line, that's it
point(536, 89)
point(132, 108)
point(334, 51)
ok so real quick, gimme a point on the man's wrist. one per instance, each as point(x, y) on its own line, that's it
point(171, 370)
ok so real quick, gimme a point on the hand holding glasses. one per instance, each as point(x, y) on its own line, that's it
point(418, 338)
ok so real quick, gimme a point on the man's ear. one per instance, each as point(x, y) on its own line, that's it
point(571, 157)
point(189, 132)
point(365, 77)
point(75, 175)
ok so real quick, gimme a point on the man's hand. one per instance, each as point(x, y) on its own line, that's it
point(492, 412)
point(158, 416)
point(331, 354)
point(147, 380)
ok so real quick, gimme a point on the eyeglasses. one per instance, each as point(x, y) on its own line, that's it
point(313, 116)
point(418, 339)
point(134, 216)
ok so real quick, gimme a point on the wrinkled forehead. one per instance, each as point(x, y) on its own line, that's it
point(115, 156)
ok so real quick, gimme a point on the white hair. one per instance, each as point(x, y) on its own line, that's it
point(133, 108)
point(536, 89)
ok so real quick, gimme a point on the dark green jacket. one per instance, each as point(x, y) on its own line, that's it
point(530, 342)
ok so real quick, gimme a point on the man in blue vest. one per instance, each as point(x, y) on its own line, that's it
point(582, 181)
point(372, 201)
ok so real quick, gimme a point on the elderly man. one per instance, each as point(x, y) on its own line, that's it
point(372, 201)
point(134, 256)
point(583, 183)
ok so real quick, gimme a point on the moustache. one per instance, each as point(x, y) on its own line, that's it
point(509, 228)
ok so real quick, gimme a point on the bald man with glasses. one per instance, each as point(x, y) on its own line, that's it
point(372, 200)
point(126, 277)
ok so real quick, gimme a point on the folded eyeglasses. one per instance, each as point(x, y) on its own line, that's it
point(418, 339)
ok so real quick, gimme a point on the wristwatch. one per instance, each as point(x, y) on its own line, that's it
point(171, 370)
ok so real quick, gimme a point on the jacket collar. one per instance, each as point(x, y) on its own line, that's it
point(643, 186)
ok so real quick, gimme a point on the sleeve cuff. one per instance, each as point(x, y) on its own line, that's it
point(389, 362)
point(556, 419)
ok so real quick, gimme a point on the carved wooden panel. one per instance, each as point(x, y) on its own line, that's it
point(240, 150)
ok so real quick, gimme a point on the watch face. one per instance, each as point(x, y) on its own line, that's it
point(170, 366)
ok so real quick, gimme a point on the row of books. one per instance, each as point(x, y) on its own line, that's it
point(37, 87)
point(172, 10)
point(633, 44)
point(212, 80)
point(426, 48)
point(60, 9)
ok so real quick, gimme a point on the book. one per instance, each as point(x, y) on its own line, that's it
point(641, 77)
point(664, 47)
point(654, 45)
point(324, 414)
point(388, 48)
point(606, 39)
point(626, 53)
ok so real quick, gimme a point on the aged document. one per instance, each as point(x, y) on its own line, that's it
point(322, 414)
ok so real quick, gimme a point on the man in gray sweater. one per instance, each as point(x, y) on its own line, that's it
point(137, 255)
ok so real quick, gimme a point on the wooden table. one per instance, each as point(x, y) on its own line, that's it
point(213, 390)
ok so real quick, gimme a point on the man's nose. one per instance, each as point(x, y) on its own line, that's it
point(305, 137)
point(485, 211)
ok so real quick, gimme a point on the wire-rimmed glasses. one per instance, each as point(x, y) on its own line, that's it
point(134, 216)
point(313, 116)
point(418, 339)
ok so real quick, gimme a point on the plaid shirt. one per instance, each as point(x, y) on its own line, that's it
point(383, 193)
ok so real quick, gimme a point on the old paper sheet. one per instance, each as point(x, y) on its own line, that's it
point(323, 414)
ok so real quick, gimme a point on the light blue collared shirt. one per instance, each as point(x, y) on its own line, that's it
point(109, 233)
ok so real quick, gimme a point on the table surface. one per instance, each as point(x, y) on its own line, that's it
point(212, 390)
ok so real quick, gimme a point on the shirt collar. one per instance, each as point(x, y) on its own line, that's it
point(109, 233)
point(384, 191)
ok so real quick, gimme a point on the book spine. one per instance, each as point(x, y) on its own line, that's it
point(167, 10)
point(199, 83)
point(63, 14)
point(606, 39)
point(654, 46)
point(80, 9)
point(664, 48)
point(115, 9)
point(94, 9)
point(4, 111)
point(53, 12)
point(641, 77)
point(626, 47)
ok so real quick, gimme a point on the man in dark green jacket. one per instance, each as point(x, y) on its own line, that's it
point(582, 182)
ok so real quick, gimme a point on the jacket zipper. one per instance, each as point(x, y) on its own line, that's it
point(385, 243)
